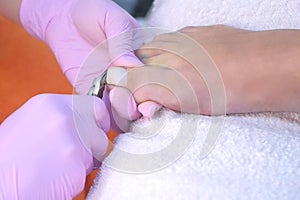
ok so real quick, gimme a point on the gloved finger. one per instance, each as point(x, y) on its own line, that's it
point(115, 24)
point(118, 123)
point(124, 104)
point(89, 65)
point(120, 31)
point(96, 63)
point(71, 52)
point(53, 132)
point(92, 121)
point(92, 24)
point(116, 50)
point(74, 56)
point(117, 20)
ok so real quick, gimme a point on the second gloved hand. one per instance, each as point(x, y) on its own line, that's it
point(50, 144)
point(73, 28)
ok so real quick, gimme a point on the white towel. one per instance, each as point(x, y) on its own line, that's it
point(256, 156)
point(245, 14)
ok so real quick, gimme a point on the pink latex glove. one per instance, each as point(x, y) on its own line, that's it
point(72, 29)
point(47, 146)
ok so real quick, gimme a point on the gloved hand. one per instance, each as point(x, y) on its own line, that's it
point(72, 29)
point(47, 146)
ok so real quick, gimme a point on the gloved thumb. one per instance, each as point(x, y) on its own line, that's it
point(92, 122)
point(121, 32)
point(123, 103)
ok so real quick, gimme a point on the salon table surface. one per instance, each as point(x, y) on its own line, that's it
point(28, 68)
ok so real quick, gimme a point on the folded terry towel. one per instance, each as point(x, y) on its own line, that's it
point(245, 14)
point(256, 156)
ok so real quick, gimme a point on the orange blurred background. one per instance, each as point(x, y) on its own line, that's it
point(27, 68)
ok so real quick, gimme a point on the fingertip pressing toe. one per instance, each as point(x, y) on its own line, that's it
point(123, 103)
